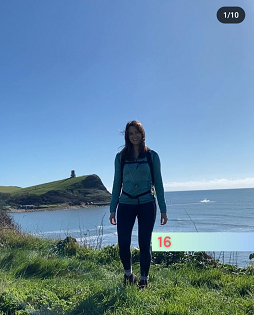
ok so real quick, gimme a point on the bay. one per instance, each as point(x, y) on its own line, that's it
point(227, 210)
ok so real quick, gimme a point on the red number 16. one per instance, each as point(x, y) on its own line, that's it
point(166, 242)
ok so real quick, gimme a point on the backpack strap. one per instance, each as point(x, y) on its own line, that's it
point(150, 163)
point(122, 166)
point(137, 197)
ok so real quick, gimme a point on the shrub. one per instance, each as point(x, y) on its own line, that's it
point(68, 246)
point(9, 303)
point(6, 222)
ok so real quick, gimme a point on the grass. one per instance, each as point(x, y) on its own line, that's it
point(44, 277)
point(9, 189)
point(56, 185)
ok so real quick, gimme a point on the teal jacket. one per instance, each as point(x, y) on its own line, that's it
point(137, 180)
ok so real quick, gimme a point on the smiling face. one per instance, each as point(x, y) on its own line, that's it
point(135, 136)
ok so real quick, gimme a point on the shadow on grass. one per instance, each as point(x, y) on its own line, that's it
point(7, 262)
point(96, 304)
point(42, 270)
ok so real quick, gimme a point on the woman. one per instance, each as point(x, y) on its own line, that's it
point(136, 167)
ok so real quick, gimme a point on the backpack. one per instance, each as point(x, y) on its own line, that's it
point(149, 161)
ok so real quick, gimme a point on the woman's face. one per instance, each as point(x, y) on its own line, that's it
point(135, 136)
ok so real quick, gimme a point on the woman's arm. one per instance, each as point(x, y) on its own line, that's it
point(117, 184)
point(158, 182)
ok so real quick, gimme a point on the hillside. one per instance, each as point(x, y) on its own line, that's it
point(9, 189)
point(69, 191)
point(39, 276)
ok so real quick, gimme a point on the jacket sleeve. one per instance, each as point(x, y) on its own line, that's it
point(117, 184)
point(158, 182)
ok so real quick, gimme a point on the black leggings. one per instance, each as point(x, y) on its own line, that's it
point(126, 216)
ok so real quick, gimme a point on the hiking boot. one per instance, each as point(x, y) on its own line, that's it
point(132, 279)
point(143, 284)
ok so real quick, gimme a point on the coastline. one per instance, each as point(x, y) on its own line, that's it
point(55, 208)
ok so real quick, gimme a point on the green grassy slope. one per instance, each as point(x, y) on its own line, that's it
point(59, 185)
point(9, 189)
point(52, 277)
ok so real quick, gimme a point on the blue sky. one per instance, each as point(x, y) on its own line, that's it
point(73, 73)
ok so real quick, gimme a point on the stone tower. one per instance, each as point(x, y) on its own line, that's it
point(73, 174)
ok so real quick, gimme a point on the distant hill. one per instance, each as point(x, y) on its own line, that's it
point(9, 189)
point(72, 191)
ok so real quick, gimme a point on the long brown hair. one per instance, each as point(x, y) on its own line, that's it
point(127, 151)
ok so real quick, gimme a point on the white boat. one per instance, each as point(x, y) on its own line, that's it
point(205, 200)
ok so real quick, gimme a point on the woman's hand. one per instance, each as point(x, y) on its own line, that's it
point(112, 218)
point(164, 218)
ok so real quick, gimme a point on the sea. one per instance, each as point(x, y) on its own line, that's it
point(227, 210)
